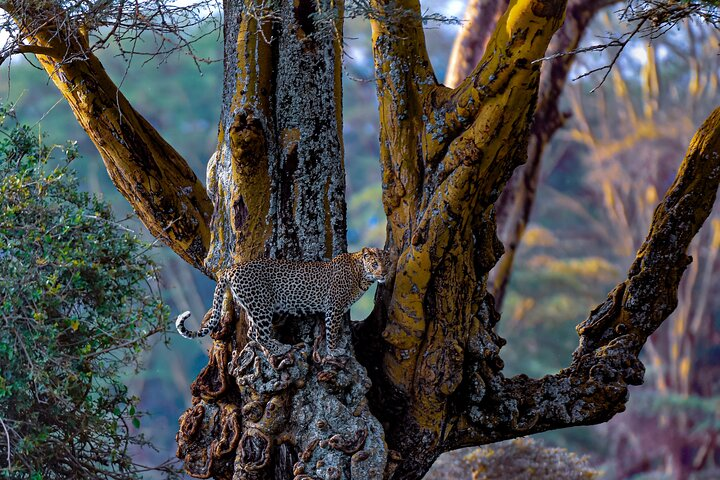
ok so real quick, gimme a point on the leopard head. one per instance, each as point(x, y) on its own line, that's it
point(376, 264)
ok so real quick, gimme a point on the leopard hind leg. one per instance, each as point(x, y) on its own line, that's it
point(261, 328)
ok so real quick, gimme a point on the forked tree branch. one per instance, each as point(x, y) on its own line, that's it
point(595, 385)
point(446, 155)
point(500, 96)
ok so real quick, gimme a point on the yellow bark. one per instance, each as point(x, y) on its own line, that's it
point(241, 227)
point(160, 186)
point(445, 156)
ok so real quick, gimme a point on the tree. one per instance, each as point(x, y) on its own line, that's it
point(76, 313)
point(637, 138)
point(427, 375)
point(514, 206)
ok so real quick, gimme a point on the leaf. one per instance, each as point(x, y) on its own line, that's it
point(136, 422)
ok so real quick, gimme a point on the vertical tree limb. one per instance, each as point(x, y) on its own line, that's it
point(275, 146)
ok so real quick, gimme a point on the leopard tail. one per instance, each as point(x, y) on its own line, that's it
point(214, 316)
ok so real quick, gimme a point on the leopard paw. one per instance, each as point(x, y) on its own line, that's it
point(276, 349)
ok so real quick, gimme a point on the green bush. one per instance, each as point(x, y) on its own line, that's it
point(518, 459)
point(77, 305)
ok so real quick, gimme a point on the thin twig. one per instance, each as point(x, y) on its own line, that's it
point(7, 437)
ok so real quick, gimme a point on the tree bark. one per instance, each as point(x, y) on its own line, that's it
point(277, 184)
point(434, 377)
point(515, 204)
point(161, 187)
point(446, 157)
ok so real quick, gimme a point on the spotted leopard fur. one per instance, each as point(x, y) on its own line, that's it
point(266, 286)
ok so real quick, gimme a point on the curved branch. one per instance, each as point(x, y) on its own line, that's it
point(162, 189)
point(516, 202)
point(594, 387)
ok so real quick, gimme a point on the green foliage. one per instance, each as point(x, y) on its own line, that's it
point(519, 459)
point(76, 310)
point(524, 458)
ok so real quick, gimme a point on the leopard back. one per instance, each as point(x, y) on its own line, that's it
point(264, 287)
point(283, 286)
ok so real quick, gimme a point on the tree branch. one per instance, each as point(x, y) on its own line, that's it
point(404, 76)
point(162, 189)
point(594, 387)
point(516, 202)
point(445, 158)
point(480, 160)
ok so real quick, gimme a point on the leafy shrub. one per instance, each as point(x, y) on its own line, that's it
point(524, 458)
point(76, 309)
point(519, 459)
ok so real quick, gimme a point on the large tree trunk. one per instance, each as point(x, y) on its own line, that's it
point(276, 184)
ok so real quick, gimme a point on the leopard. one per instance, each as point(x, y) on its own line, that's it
point(263, 287)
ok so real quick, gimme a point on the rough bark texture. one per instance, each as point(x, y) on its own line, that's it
point(277, 183)
point(277, 180)
point(446, 157)
point(429, 347)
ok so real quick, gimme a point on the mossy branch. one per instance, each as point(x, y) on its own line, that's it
point(477, 163)
point(162, 189)
point(594, 387)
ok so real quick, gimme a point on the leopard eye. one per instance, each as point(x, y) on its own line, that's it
point(375, 265)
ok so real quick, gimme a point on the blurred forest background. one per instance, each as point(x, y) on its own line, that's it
point(601, 177)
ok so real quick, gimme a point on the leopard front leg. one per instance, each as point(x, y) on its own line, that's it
point(333, 329)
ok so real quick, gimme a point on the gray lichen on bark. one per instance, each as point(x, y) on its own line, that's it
point(280, 153)
point(322, 412)
point(309, 207)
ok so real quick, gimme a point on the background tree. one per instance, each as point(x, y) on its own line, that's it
point(78, 304)
point(429, 346)
point(648, 115)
